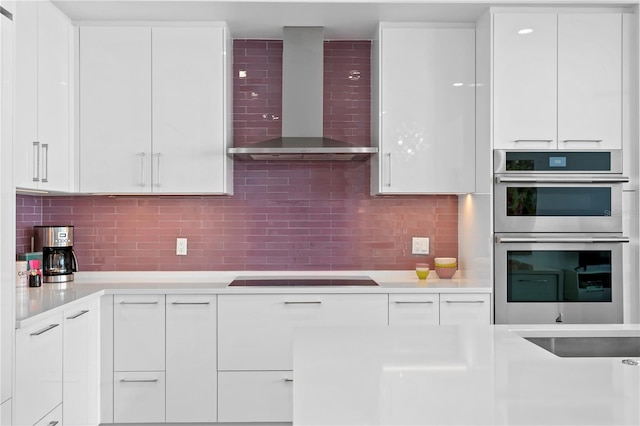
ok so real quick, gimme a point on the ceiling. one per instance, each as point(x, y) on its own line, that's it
point(341, 20)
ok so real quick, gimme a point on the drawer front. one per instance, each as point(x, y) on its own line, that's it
point(414, 309)
point(255, 332)
point(465, 308)
point(255, 396)
point(38, 370)
point(139, 332)
point(138, 397)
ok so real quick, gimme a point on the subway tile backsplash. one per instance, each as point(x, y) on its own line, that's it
point(283, 215)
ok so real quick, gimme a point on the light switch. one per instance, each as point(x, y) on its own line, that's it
point(420, 245)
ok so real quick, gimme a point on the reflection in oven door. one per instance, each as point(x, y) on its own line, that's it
point(544, 278)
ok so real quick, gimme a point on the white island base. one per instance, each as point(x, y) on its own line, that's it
point(457, 375)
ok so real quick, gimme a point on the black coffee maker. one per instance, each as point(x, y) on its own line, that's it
point(59, 261)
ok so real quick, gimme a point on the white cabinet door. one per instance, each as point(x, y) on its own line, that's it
point(38, 370)
point(465, 308)
point(191, 373)
point(53, 418)
point(525, 80)
point(414, 309)
point(138, 397)
point(115, 109)
point(256, 396)
point(189, 125)
point(590, 81)
point(427, 111)
point(80, 367)
point(139, 332)
point(42, 146)
point(255, 332)
point(5, 413)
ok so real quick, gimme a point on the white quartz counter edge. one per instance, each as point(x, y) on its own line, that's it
point(34, 304)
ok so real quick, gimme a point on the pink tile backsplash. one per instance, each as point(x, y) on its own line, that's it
point(284, 215)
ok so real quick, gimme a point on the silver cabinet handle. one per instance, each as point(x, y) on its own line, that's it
point(190, 303)
point(389, 170)
point(562, 179)
point(408, 302)
point(288, 380)
point(36, 161)
point(138, 380)
point(82, 312)
point(583, 140)
point(53, 423)
point(157, 173)
point(562, 239)
point(44, 330)
point(311, 302)
point(141, 155)
point(138, 303)
point(4, 12)
point(45, 162)
point(464, 301)
point(534, 140)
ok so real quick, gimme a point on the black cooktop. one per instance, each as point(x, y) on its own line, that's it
point(300, 282)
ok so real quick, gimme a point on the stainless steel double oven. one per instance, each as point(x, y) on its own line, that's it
point(558, 236)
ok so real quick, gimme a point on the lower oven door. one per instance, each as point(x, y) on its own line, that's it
point(546, 278)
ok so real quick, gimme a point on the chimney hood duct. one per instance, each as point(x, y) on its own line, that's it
point(302, 113)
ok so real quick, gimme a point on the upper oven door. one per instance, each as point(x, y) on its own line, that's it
point(558, 203)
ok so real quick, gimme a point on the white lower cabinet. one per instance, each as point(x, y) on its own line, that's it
point(53, 418)
point(255, 341)
point(255, 396)
point(5, 413)
point(465, 308)
point(138, 397)
point(80, 364)
point(38, 370)
point(191, 367)
point(414, 309)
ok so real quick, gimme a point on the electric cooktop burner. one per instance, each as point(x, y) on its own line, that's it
point(297, 282)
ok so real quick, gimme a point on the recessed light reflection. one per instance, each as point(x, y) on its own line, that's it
point(525, 31)
point(458, 84)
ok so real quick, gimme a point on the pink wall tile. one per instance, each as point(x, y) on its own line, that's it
point(283, 215)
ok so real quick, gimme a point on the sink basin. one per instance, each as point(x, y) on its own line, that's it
point(571, 347)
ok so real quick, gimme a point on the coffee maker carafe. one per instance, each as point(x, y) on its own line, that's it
point(58, 258)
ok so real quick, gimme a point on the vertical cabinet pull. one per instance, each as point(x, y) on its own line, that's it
point(44, 330)
point(389, 170)
point(36, 161)
point(45, 162)
point(141, 155)
point(157, 173)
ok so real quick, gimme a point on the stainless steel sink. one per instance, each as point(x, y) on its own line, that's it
point(570, 347)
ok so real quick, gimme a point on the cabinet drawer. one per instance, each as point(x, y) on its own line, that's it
point(256, 331)
point(255, 396)
point(138, 397)
point(38, 370)
point(414, 309)
point(139, 332)
point(465, 308)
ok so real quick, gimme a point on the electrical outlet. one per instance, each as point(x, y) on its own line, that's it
point(419, 245)
point(181, 246)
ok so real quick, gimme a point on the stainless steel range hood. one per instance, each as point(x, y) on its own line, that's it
point(302, 91)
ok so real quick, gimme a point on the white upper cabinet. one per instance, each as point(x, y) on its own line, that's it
point(115, 109)
point(42, 147)
point(423, 115)
point(557, 81)
point(590, 81)
point(525, 75)
point(154, 110)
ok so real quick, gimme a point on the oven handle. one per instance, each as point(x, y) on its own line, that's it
point(502, 240)
point(561, 179)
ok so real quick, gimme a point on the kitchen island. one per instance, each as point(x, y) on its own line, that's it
point(459, 375)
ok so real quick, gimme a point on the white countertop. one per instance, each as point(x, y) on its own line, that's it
point(458, 375)
point(32, 303)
